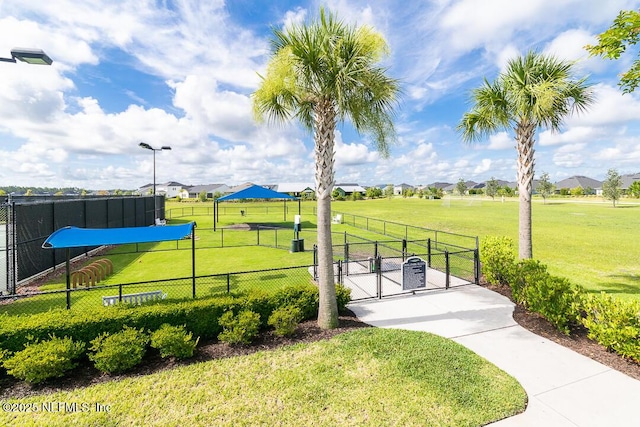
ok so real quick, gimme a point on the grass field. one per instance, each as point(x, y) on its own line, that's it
point(592, 244)
point(368, 377)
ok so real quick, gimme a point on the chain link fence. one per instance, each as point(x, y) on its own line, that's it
point(176, 289)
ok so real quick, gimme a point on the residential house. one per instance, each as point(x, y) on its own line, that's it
point(194, 191)
point(578, 181)
point(398, 190)
point(348, 189)
point(297, 189)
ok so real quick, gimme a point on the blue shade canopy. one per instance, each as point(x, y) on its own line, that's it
point(73, 237)
point(255, 192)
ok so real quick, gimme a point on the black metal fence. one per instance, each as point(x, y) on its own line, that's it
point(367, 275)
point(439, 238)
point(358, 257)
point(30, 220)
point(174, 289)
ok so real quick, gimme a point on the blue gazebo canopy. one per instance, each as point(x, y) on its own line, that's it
point(255, 192)
point(74, 237)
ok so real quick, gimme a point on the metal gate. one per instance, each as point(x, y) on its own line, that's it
point(4, 266)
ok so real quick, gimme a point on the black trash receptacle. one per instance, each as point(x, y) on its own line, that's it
point(297, 245)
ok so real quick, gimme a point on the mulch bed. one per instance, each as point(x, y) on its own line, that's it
point(86, 375)
point(307, 332)
point(577, 341)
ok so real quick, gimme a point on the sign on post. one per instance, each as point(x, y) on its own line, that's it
point(414, 273)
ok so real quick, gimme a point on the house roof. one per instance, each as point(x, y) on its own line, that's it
point(240, 187)
point(629, 179)
point(579, 181)
point(351, 188)
point(209, 188)
point(294, 187)
point(439, 185)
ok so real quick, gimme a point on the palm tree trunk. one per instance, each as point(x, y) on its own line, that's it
point(324, 128)
point(524, 139)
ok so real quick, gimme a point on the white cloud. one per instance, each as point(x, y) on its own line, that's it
point(569, 45)
point(574, 135)
point(501, 141)
point(484, 166)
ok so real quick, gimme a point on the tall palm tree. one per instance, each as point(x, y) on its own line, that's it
point(535, 91)
point(321, 73)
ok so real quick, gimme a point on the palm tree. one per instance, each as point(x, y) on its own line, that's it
point(535, 91)
point(320, 73)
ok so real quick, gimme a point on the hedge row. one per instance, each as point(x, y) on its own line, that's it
point(200, 316)
point(612, 322)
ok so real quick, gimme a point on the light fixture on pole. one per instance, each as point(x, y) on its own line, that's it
point(30, 56)
point(148, 147)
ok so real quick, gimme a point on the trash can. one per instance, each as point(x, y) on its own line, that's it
point(297, 245)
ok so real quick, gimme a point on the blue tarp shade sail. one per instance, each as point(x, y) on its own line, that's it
point(73, 237)
point(255, 192)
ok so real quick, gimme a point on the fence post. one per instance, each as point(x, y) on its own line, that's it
point(120, 292)
point(379, 277)
point(375, 249)
point(315, 262)
point(447, 269)
point(406, 231)
point(346, 258)
point(429, 252)
point(340, 272)
point(404, 250)
point(476, 265)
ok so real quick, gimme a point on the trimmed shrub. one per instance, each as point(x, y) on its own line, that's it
point(114, 353)
point(174, 341)
point(305, 297)
point(285, 320)
point(200, 316)
point(556, 299)
point(524, 273)
point(45, 359)
point(240, 329)
point(498, 259)
point(343, 295)
point(614, 323)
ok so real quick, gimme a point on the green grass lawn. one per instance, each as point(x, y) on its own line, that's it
point(592, 244)
point(368, 377)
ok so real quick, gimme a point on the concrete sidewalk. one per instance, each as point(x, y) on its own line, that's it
point(564, 387)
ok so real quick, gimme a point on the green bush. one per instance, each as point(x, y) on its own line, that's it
point(113, 353)
point(174, 341)
point(525, 272)
point(285, 320)
point(498, 259)
point(199, 316)
point(556, 299)
point(240, 329)
point(44, 359)
point(614, 323)
point(305, 297)
point(343, 295)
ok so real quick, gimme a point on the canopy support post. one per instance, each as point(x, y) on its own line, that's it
point(68, 268)
point(193, 259)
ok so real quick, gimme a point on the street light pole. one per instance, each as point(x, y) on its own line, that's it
point(148, 147)
point(30, 56)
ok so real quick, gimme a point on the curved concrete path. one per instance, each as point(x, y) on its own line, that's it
point(565, 389)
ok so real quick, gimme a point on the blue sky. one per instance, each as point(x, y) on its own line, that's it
point(180, 73)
